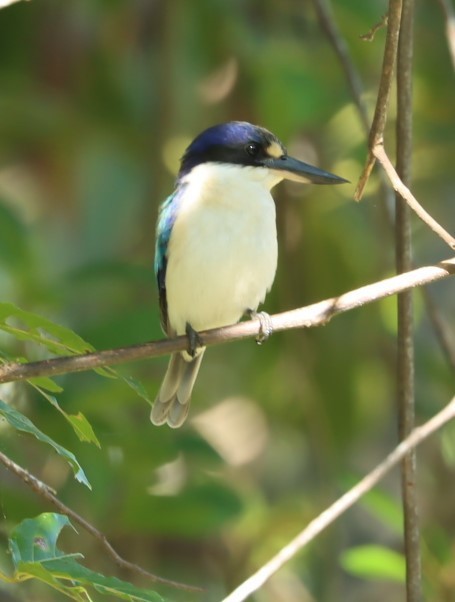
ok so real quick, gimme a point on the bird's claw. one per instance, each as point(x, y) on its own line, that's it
point(265, 326)
point(194, 340)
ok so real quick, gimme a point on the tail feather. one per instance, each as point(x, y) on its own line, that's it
point(173, 400)
point(172, 378)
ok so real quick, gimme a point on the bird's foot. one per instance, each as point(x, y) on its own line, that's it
point(194, 341)
point(265, 325)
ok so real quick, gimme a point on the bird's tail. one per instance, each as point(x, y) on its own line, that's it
point(173, 400)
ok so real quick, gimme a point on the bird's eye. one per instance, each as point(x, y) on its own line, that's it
point(252, 148)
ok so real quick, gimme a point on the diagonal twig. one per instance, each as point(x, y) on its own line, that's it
point(341, 49)
point(48, 494)
point(406, 194)
point(338, 42)
point(342, 504)
point(330, 28)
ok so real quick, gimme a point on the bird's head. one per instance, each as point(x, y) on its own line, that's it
point(238, 143)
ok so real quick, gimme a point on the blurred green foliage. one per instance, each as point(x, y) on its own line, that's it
point(35, 555)
point(97, 101)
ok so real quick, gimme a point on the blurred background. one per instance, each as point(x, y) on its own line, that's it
point(98, 99)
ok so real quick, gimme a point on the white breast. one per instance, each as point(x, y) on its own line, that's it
point(222, 252)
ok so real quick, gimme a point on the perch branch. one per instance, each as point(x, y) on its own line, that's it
point(341, 505)
point(304, 317)
point(48, 494)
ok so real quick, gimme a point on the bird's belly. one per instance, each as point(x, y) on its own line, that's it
point(218, 267)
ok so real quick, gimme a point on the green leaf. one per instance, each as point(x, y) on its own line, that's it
point(35, 539)
point(59, 340)
point(83, 428)
point(56, 338)
point(30, 570)
point(33, 545)
point(22, 423)
point(374, 563)
point(136, 386)
point(44, 382)
point(78, 422)
point(67, 567)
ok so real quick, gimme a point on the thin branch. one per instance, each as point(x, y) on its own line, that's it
point(342, 504)
point(449, 15)
point(406, 194)
point(405, 334)
point(340, 47)
point(369, 36)
point(304, 317)
point(48, 494)
point(330, 28)
point(382, 101)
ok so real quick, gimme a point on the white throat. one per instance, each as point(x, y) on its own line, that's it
point(215, 174)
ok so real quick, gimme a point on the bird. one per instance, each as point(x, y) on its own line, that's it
point(216, 243)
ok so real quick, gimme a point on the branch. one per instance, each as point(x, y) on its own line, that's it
point(341, 505)
point(305, 317)
point(48, 494)
point(370, 35)
point(406, 194)
point(382, 101)
point(405, 311)
point(330, 28)
point(340, 47)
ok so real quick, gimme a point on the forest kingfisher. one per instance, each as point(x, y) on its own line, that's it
point(216, 246)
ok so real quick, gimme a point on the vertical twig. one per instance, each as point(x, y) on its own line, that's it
point(382, 102)
point(330, 28)
point(405, 359)
point(338, 42)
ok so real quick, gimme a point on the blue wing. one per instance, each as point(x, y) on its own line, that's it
point(166, 220)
